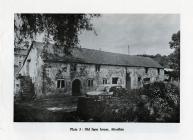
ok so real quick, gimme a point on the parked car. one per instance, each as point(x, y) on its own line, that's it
point(118, 90)
point(101, 91)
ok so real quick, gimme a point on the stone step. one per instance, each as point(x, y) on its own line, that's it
point(26, 82)
point(26, 87)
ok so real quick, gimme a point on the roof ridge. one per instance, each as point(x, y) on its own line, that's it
point(96, 50)
point(107, 52)
point(88, 55)
point(126, 55)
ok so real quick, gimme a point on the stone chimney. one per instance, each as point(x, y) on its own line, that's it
point(128, 50)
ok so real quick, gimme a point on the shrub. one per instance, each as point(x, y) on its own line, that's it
point(156, 102)
point(163, 104)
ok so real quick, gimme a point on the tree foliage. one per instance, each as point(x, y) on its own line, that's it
point(174, 58)
point(175, 42)
point(63, 29)
point(161, 59)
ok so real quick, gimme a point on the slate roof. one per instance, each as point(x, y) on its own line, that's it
point(101, 57)
point(90, 56)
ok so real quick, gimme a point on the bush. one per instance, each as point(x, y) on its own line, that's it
point(118, 91)
point(163, 102)
point(156, 102)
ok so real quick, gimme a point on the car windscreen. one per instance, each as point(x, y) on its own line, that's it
point(100, 88)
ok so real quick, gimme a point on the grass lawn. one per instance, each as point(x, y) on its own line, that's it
point(157, 102)
point(46, 110)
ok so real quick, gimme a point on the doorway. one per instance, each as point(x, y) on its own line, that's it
point(128, 81)
point(76, 87)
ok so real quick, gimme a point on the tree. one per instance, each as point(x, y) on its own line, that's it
point(175, 42)
point(63, 29)
point(162, 60)
point(175, 56)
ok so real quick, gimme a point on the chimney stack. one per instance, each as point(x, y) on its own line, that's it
point(128, 50)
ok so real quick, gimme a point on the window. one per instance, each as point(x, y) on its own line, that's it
point(27, 66)
point(73, 67)
point(97, 68)
point(47, 70)
point(114, 80)
point(146, 70)
point(146, 79)
point(90, 82)
point(82, 69)
point(158, 71)
point(104, 81)
point(60, 83)
point(64, 69)
point(139, 79)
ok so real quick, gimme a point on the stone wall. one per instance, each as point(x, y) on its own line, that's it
point(19, 56)
point(45, 74)
point(138, 74)
point(84, 72)
point(53, 72)
point(33, 68)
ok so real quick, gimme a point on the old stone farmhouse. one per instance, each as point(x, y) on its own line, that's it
point(47, 71)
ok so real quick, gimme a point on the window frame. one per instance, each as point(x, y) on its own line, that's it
point(146, 70)
point(104, 81)
point(116, 80)
point(61, 84)
point(147, 79)
point(47, 71)
point(64, 68)
point(90, 82)
point(158, 71)
point(73, 67)
point(139, 78)
point(97, 68)
point(20, 64)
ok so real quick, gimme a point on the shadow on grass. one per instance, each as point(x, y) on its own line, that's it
point(34, 114)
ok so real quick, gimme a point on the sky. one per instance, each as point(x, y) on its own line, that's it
point(144, 33)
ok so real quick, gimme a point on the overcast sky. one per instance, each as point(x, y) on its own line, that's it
point(144, 33)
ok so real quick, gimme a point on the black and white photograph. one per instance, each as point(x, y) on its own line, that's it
point(96, 67)
point(113, 69)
